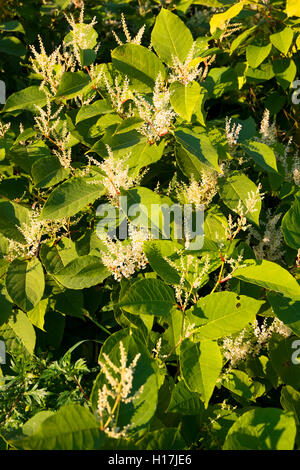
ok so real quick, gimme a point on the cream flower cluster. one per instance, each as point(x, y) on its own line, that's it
point(117, 390)
point(267, 130)
point(136, 40)
point(157, 117)
point(33, 231)
point(118, 94)
point(4, 128)
point(250, 342)
point(232, 132)
point(271, 242)
point(198, 192)
point(123, 258)
point(185, 72)
point(47, 124)
point(116, 175)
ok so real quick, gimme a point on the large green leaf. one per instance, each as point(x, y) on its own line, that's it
point(12, 216)
point(199, 146)
point(12, 46)
point(223, 314)
point(25, 283)
point(237, 188)
point(184, 98)
point(138, 412)
point(282, 40)
point(18, 330)
point(200, 365)
point(157, 251)
point(80, 273)
point(291, 224)
point(25, 99)
point(220, 20)
point(262, 429)
point(290, 401)
point(70, 197)
point(257, 54)
point(285, 359)
point(148, 297)
point(269, 275)
point(184, 401)
point(262, 154)
point(287, 310)
point(72, 427)
point(73, 84)
point(48, 172)
point(140, 65)
point(170, 37)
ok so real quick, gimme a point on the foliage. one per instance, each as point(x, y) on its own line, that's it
point(146, 342)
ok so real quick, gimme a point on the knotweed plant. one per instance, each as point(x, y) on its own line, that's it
point(116, 175)
point(149, 221)
point(116, 390)
point(187, 71)
point(124, 258)
point(136, 40)
point(249, 342)
point(158, 117)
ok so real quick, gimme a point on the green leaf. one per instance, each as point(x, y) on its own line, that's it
point(290, 224)
point(12, 46)
point(37, 314)
point(200, 365)
point(73, 84)
point(285, 71)
point(140, 65)
point(262, 154)
point(199, 146)
point(12, 26)
point(292, 8)
point(281, 352)
point(72, 427)
point(220, 20)
point(270, 276)
point(70, 197)
point(148, 297)
point(170, 37)
point(94, 109)
point(12, 216)
point(184, 98)
point(257, 54)
point(138, 412)
point(156, 252)
point(184, 401)
point(262, 429)
point(83, 272)
point(25, 283)
point(282, 40)
point(25, 99)
point(144, 154)
point(215, 322)
point(47, 172)
point(5, 307)
point(290, 401)
point(237, 188)
point(17, 330)
point(162, 439)
point(287, 310)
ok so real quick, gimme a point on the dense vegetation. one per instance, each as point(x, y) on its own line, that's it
point(143, 341)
